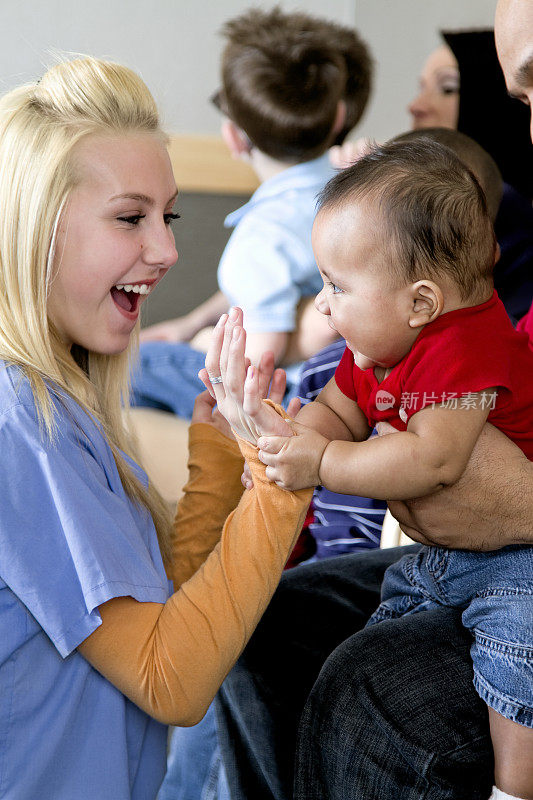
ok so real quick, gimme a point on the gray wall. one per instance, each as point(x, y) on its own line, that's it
point(175, 46)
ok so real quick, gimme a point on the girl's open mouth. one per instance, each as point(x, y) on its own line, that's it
point(127, 302)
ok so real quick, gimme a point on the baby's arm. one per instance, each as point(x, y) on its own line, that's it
point(334, 415)
point(430, 455)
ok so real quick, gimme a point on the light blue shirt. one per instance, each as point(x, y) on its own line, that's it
point(70, 539)
point(268, 265)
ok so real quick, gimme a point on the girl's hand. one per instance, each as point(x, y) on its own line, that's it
point(293, 462)
point(206, 412)
point(239, 388)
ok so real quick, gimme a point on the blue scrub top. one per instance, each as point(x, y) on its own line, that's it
point(70, 539)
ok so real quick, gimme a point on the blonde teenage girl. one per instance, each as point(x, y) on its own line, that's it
point(97, 654)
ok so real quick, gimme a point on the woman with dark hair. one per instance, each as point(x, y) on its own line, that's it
point(462, 87)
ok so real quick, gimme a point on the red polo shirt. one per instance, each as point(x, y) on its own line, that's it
point(526, 326)
point(462, 352)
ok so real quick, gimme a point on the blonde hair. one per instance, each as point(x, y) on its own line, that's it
point(40, 126)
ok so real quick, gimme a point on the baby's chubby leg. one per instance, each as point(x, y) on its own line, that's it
point(239, 387)
point(513, 756)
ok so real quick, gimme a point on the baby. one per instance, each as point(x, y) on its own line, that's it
point(405, 248)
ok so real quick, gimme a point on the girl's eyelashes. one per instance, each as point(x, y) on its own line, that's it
point(334, 288)
point(133, 219)
point(170, 216)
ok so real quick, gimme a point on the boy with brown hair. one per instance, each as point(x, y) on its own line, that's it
point(290, 40)
point(291, 86)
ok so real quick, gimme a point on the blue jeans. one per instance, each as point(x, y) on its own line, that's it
point(318, 706)
point(495, 593)
point(166, 377)
point(194, 768)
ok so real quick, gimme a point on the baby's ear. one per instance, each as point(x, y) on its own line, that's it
point(427, 303)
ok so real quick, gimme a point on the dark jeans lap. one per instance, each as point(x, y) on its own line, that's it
point(386, 712)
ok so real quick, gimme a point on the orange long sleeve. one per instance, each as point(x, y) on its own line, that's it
point(212, 491)
point(171, 659)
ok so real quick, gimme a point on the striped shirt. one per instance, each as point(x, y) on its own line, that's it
point(342, 523)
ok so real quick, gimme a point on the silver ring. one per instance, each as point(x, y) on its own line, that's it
point(216, 379)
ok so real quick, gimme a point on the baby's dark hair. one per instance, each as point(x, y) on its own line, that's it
point(472, 154)
point(433, 209)
point(281, 84)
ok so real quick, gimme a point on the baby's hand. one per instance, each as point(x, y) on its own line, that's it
point(293, 462)
point(292, 409)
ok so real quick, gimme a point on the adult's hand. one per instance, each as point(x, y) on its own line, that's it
point(491, 506)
